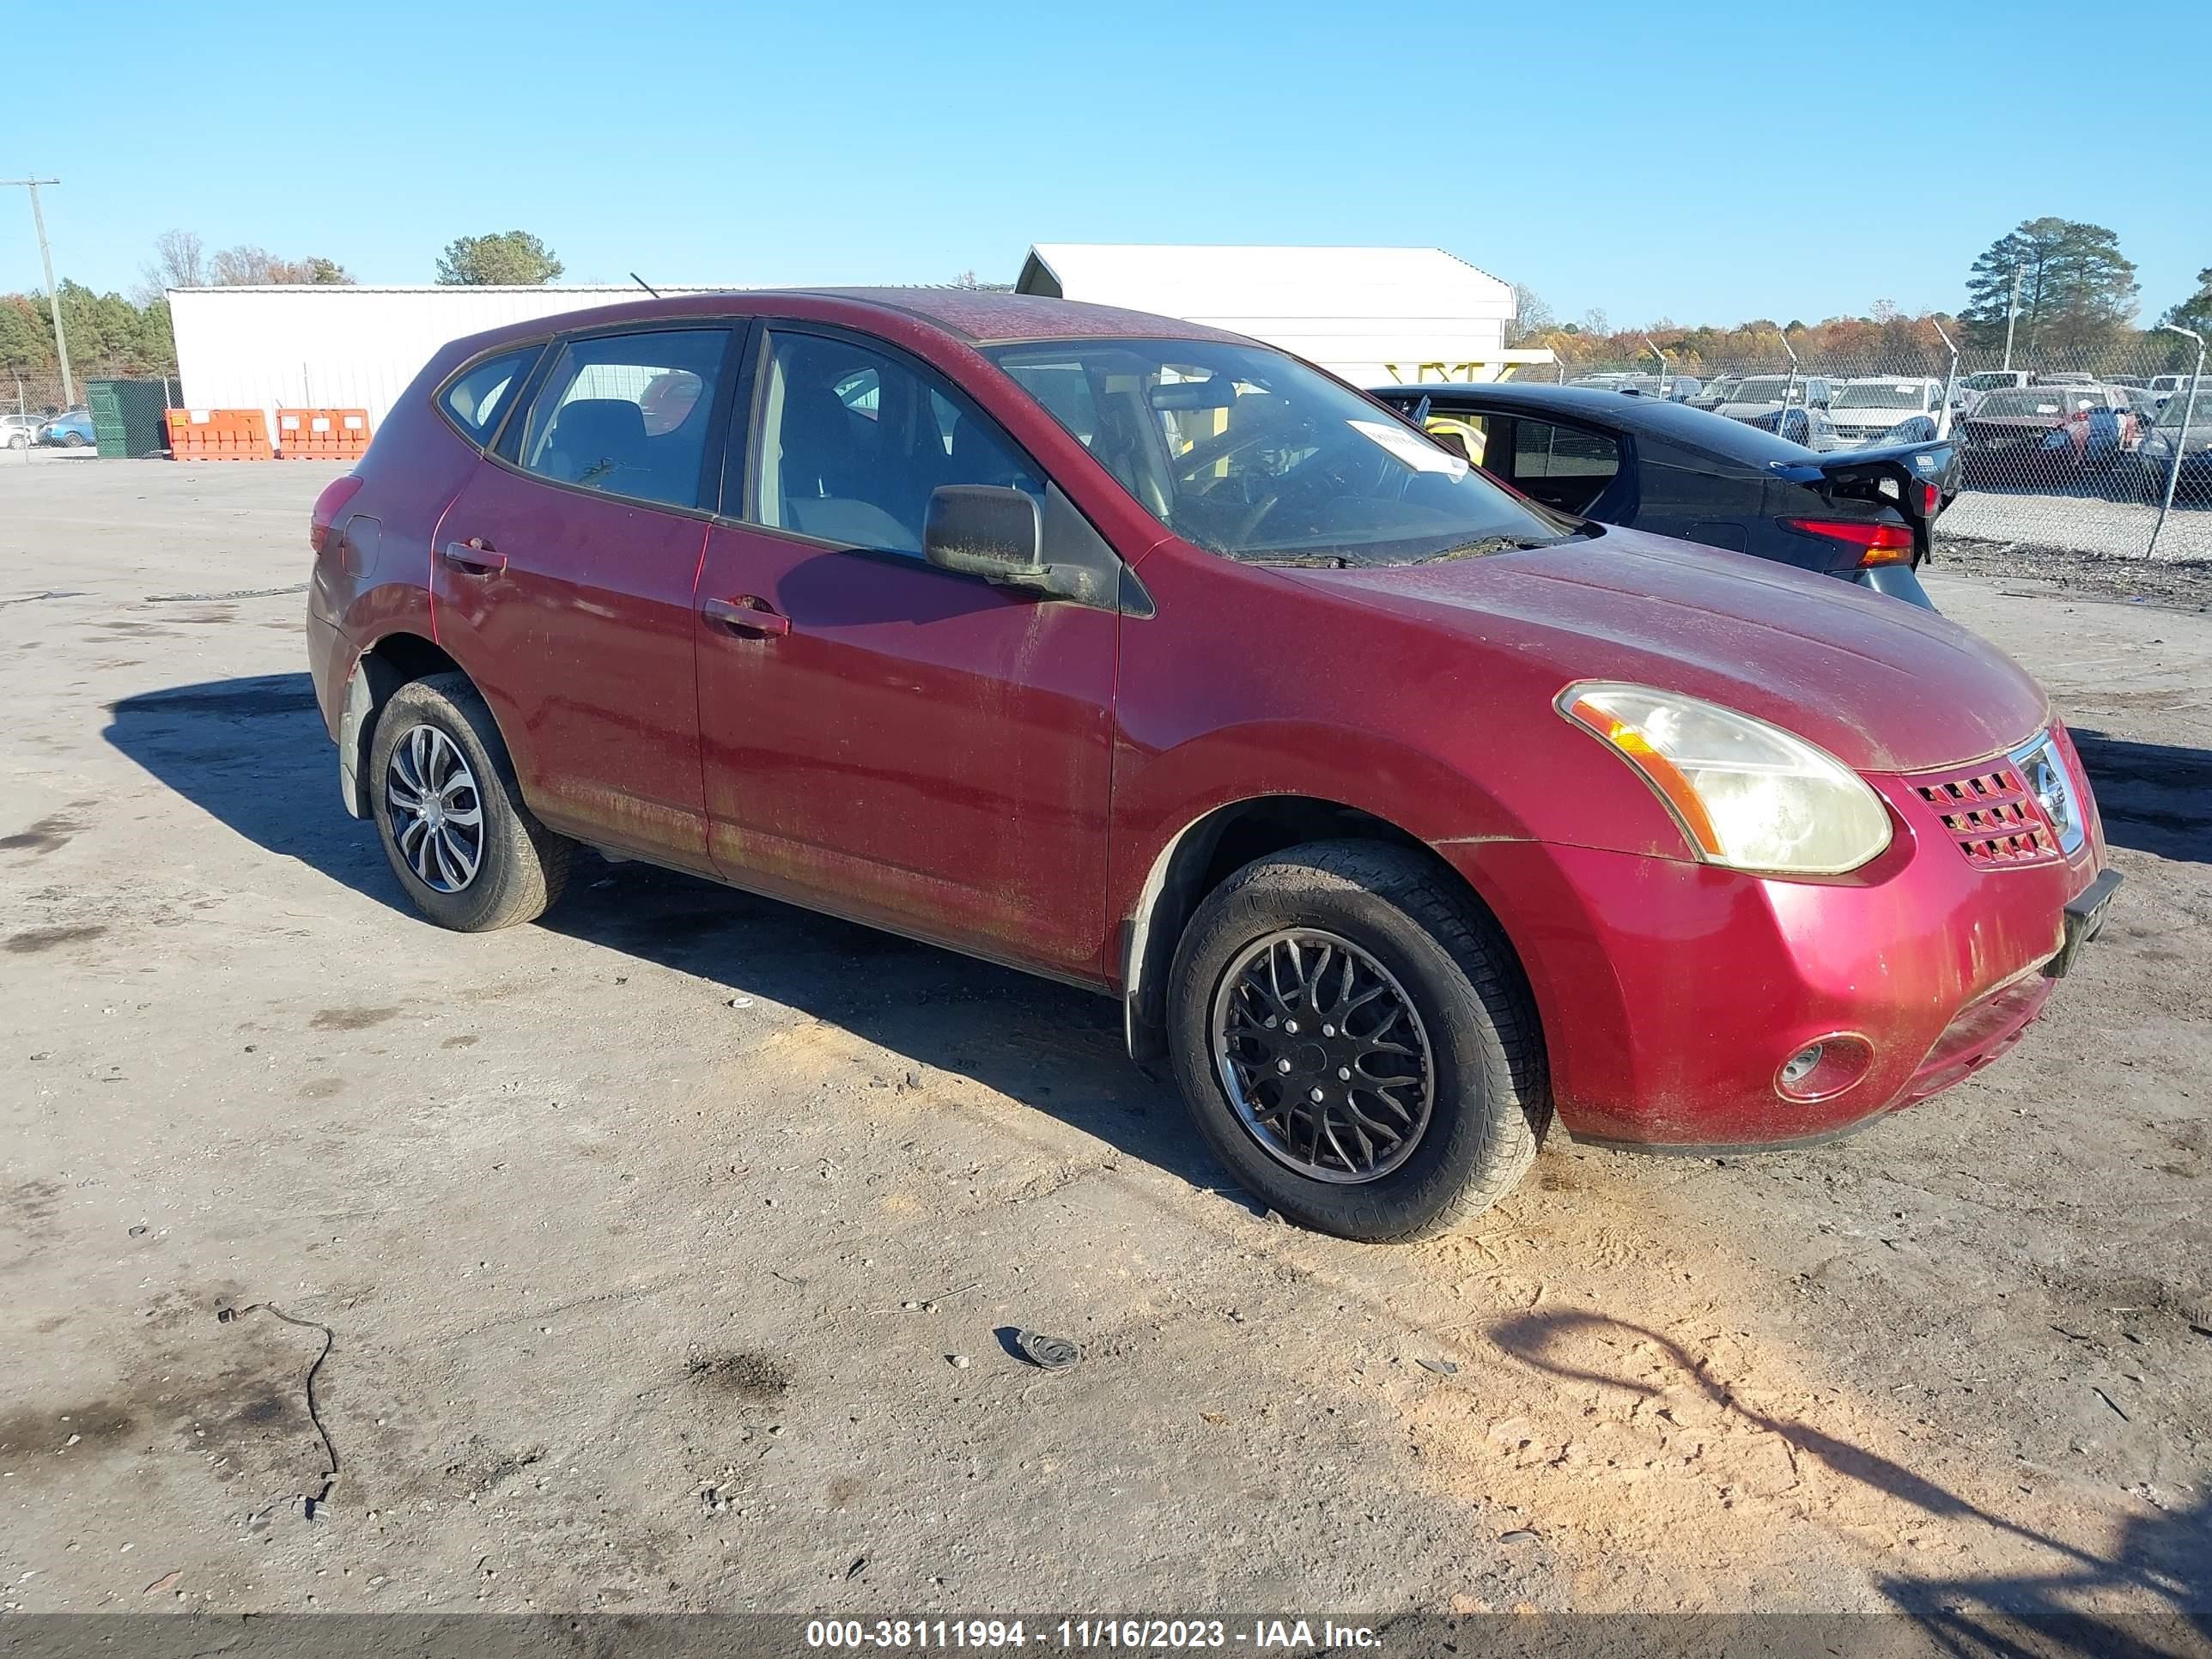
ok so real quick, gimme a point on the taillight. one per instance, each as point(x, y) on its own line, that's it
point(328, 505)
point(1931, 499)
point(1877, 542)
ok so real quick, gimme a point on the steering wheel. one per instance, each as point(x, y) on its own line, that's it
point(1255, 516)
point(1211, 451)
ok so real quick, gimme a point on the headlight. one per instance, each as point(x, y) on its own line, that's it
point(1747, 794)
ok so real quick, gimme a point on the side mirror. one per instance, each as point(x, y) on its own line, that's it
point(983, 529)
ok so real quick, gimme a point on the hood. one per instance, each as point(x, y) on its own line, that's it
point(1881, 685)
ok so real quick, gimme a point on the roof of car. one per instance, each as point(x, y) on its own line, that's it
point(977, 316)
point(1698, 428)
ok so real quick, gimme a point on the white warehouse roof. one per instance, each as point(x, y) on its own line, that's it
point(1370, 314)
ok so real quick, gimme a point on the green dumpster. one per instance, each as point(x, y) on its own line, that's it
point(126, 416)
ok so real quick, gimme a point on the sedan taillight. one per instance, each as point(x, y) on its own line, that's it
point(1877, 542)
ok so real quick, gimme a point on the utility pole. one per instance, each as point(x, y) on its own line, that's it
point(2012, 314)
point(53, 294)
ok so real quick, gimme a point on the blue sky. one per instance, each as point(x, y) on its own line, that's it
point(1697, 160)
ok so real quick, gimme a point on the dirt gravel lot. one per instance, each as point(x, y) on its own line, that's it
point(669, 1250)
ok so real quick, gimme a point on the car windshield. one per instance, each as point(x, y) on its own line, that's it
point(1883, 394)
point(2032, 400)
point(1766, 389)
point(2178, 404)
point(1252, 454)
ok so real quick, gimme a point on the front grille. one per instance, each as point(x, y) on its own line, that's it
point(1990, 814)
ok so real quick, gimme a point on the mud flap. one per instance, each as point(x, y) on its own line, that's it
point(2084, 917)
point(353, 724)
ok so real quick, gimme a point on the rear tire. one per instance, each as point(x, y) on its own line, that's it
point(474, 858)
point(1391, 933)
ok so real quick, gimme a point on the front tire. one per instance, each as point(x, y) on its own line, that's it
point(470, 854)
point(1357, 1043)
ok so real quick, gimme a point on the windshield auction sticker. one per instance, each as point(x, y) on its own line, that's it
point(1412, 448)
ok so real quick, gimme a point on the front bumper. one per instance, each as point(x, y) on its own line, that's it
point(1672, 992)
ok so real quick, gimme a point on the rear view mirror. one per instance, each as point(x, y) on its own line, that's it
point(981, 529)
point(1218, 391)
point(1454, 441)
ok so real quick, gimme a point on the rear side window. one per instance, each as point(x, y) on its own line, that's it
point(1562, 466)
point(477, 400)
point(628, 414)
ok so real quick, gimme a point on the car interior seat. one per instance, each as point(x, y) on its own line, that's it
point(598, 441)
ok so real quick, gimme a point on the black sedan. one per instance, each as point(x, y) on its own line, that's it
point(1863, 514)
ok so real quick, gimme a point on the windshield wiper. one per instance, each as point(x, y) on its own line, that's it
point(1309, 561)
point(1492, 544)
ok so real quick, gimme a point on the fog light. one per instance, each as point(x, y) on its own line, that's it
point(1822, 1069)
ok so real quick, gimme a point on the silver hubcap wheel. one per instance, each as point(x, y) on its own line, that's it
point(1323, 1056)
point(437, 811)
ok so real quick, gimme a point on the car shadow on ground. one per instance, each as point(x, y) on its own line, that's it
point(251, 752)
point(2155, 797)
point(2151, 1594)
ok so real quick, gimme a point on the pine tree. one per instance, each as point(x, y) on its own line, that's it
point(2077, 291)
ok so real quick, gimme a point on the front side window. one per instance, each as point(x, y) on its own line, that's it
point(852, 441)
point(478, 398)
point(628, 414)
point(1248, 453)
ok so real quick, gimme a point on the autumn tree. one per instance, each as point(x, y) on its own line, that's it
point(1531, 316)
point(247, 266)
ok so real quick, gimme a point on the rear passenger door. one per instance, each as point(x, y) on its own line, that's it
point(562, 577)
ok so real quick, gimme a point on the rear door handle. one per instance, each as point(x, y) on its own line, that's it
point(474, 557)
point(747, 615)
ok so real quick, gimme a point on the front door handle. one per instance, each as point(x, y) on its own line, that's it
point(474, 557)
point(747, 615)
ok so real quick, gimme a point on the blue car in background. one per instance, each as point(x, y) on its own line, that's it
point(1864, 515)
point(71, 430)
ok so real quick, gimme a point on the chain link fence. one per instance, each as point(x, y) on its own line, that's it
point(38, 391)
point(2074, 451)
point(31, 396)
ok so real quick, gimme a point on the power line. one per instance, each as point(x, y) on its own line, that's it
point(53, 294)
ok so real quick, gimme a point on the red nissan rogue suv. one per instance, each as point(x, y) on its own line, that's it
point(1400, 811)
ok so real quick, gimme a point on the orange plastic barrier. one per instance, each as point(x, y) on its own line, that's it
point(218, 435)
point(321, 434)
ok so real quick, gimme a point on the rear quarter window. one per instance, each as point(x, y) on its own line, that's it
point(477, 399)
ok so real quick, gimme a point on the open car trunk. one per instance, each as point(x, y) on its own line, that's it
point(1918, 480)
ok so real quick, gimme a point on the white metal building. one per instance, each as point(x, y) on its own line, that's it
point(341, 347)
point(1374, 315)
